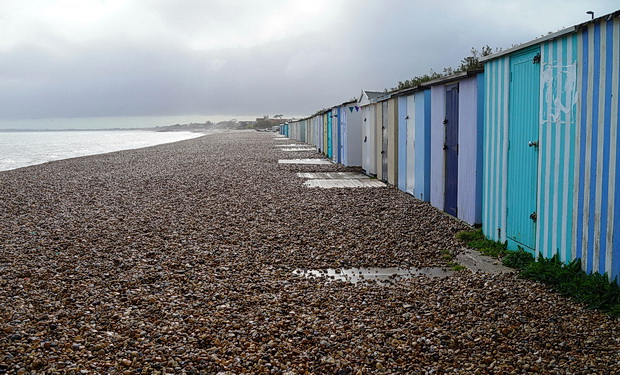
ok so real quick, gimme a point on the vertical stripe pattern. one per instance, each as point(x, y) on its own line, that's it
point(578, 186)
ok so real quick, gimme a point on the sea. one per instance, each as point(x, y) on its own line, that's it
point(23, 148)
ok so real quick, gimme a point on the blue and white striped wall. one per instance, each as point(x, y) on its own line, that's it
point(578, 189)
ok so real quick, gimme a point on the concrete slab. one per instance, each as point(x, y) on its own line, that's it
point(289, 145)
point(299, 149)
point(343, 183)
point(477, 262)
point(305, 161)
point(281, 138)
point(325, 175)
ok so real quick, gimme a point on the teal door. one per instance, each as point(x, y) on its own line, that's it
point(523, 149)
point(329, 135)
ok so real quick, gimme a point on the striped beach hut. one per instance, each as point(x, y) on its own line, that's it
point(387, 134)
point(550, 143)
point(335, 137)
point(414, 141)
point(367, 104)
point(456, 144)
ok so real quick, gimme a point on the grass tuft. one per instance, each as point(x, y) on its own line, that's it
point(594, 290)
point(476, 240)
point(519, 259)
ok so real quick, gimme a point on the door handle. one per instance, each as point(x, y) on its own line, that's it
point(533, 143)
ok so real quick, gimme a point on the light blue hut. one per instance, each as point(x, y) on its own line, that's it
point(456, 145)
point(550, 143)
point(414, 141)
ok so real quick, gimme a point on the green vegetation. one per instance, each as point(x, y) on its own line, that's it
point(594, 290)
point(519, 259)
point(468, 63)
point(455, 266)
point(476, 240)
point(449, 258)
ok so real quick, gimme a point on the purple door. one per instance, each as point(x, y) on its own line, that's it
point(451, 149)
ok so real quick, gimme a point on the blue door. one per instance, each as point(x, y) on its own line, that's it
point(522, 181)
point(329, 134)
point(451, 149)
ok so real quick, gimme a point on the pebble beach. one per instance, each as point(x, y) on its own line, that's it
point(185, 258)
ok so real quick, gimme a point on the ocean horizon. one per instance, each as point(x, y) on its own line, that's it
point(25, 148)
point(105, 123)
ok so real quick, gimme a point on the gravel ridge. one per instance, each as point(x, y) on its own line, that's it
point(179, 259)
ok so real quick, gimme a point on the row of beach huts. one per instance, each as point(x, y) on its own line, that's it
point(525, 147)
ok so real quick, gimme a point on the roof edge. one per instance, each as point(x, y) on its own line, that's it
point(551, 36)
point(534, 42)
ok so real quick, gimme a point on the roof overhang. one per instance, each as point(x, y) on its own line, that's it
point(551, 36)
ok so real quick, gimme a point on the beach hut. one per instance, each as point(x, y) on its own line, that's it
point(406, 140)
point(319, 119)
point(350, 124)
point(297, 130)
point(422, 154)
point(414, 122)
point(456, 144)
point(550, 142)
point(388, 131)
point(302, 130)
point(367, 105)
point(380, 162)
point(284, 130)
point(392, 132)
point(292, 130)
point(336, 156)
point(327, 133)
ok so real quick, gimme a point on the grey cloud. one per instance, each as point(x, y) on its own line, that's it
point(370, 45)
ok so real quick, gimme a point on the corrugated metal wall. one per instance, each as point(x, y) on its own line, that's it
point(523, 152)
point(437, 141)
point(470, 152)
point(353, 136)
point(496, 74)
point(368, 146)
point(409, 176)
point(470, 125)
point(423, 145)
point(402, 143)
point(392, 156)
point(342, 134)
point(378, 125)
point(597, 233)
point(578, 195)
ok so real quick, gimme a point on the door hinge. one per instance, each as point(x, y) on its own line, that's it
point(536, 59)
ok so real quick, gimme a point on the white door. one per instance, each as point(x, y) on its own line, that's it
point(409, 186)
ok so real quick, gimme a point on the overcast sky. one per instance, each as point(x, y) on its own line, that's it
point(90, 58)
